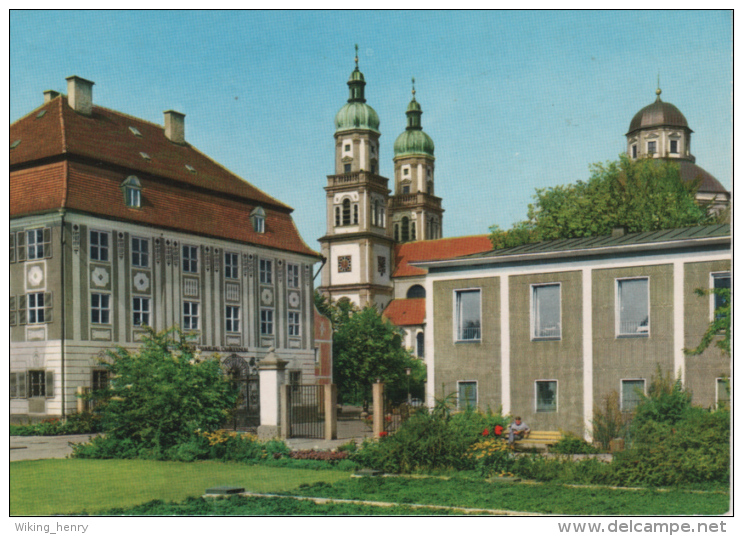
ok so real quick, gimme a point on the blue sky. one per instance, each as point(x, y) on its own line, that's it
point(513, 100)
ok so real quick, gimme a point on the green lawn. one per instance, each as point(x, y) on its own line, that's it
point(43, 487)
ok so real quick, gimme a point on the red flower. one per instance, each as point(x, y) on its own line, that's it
point(485, 432)
point(383, 434)
point(498, 429)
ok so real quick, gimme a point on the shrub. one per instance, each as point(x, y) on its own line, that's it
point(491, 457)
point(162, 393)
point(572, 444)
point(665, 402)
point(77, 423)
point(609, 422)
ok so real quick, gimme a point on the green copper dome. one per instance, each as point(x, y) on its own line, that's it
point(356, 113)
point(414, 140)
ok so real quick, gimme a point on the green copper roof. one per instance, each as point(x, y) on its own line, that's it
point(414, 140)
point(356, 115)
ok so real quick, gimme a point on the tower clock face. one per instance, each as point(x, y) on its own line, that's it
point(344, 263)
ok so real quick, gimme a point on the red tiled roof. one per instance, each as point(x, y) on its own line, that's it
point(444, 248)
point(406, 312)
point(213, 201)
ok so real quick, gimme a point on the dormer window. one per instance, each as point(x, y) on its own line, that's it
point(132, 192)
point(258, 219)
point(135, 131)
point(15, 144)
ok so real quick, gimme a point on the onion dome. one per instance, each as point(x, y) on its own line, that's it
point(356, 114)
point(658, 114)
point(414, 140)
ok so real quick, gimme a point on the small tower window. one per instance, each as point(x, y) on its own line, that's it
point(346, 168)
point(651, 147)
point(258, 220)
point(406, 189)
point(674, 146)
point(412, 231)
point(132, 192)
point(346, 212)
point(397, 233)
point(355, 213)
point(405, 229)
point(347, 147)
point(337, 216)
point(374, 169)
point(406, 171)
point(634, 151)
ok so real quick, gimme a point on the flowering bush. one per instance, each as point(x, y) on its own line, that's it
point(491, 456)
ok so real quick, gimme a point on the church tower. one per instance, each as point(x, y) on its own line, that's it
point(357, 247)
point(415, 212)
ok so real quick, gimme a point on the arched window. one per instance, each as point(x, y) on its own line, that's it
point(375, 213)
point(416, 291)
point(420, 345)
point(258, 220)
point(132, 192)
point(405, 229)
point(381, 217)
point(337, 216)
point(346, 212)
point(355, 213)
point(412, 231)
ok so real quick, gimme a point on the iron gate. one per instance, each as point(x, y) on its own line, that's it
point(243, 374)
point(306, 411)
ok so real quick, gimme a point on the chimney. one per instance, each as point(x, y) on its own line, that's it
point(50, 95)
point(618, 232)
point(175, 126)
point(80, 95)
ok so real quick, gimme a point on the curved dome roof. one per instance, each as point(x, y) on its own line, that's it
point(413, 142)
point(356, 115)
point(658, 114)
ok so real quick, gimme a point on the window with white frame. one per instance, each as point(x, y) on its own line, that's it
point(723, 393)
point(190, 315)
point(100, 308)
point(266, 321)
point(545, 312)
point(232, 319)
point(632, 393)
point(633, 307)
point(99, 246)
point(35, 244)
point(265, 271)
point(420, 345)
point(190, 259)
point(140, 311)
point(651, 147)
point(37, 384)
point(36, 308)
point(466, 394)
point(231, 268)
point(546, 396)
point(674, 147)
point(634, 151)
point(720, 281)
point(132, 191)
point(293, 324)
point(258, 220)
point(467, 315)
point(140, 252)
point(292, 275)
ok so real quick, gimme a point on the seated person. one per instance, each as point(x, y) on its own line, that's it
point(517, 430)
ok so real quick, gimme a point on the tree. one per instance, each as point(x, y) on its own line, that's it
point(367, 347)
point(719, 326)
point(639, 195)
point(163, 392)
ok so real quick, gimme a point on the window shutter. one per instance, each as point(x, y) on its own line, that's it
point(12, 247)
point(13, 385)
point(22, 310)
point(21, 245)
point(13, 310)
point(48, 307)
point(21, 385)
point(50, 384)
point(47, 243)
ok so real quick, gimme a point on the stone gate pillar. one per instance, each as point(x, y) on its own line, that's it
point(331, 415)
point(271, 373)
point(378, 405)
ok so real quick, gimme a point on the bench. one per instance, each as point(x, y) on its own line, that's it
point(538, 439)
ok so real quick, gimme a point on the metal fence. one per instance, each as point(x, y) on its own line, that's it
point(306, 411)
point(394, 415)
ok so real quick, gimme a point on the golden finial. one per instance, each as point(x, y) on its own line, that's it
point(658, 91)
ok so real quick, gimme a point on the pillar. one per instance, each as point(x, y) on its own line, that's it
point(378, 405)
point(331, 415)
point(271, 376)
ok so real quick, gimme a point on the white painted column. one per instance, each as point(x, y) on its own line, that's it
point(76, 296)
point(421, 178)
point(363, 159)
point(505, 345)
point(123, 299)
point(679, 359)
point(271, 377)
point(429, 346)
point(587, 351)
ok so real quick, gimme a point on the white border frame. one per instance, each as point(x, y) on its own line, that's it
point(712, 286)
point(617, 334)
point(477, 393)
point(557, 394)
point(621, 390)
point(456, 316)
point(532, 315)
